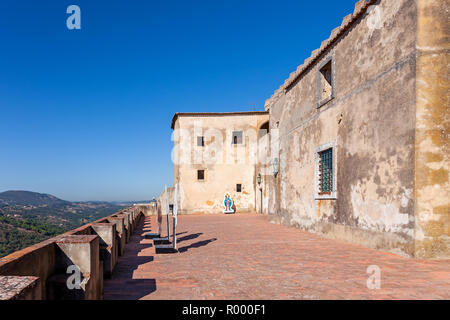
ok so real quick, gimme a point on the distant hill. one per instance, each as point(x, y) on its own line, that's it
point(130, 203)
point(27, 198)
point(30, 217)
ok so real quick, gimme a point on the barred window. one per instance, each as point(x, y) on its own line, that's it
point(326, 171)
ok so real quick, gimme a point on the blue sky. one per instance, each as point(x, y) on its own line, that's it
point(85, 114)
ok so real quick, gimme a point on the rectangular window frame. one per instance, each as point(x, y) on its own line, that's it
point(233, 134)
point(204, 175)
point(200, 141)
point(238, 187)
point(333, 193)
point(320, 101)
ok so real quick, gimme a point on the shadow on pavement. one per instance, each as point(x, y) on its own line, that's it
point(196, 245)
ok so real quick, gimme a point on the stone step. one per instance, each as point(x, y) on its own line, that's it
point(162, 240)
point(165, 248)
point(150, 235)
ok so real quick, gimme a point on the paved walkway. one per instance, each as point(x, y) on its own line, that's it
point(246, 257)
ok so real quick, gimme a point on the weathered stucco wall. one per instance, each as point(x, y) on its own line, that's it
point(225, 164)
point(432, 194)
point(371, 121)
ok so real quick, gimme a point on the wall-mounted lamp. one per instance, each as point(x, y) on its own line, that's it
point(258, 178)
point(275, 166)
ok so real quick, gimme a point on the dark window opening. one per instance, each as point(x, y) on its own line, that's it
point(264, 129)
point(238, 187)
point(171, 208)
point(237, 137)
point(326, 81)
point(201, 141)
point(326, 171)
point(200, 174)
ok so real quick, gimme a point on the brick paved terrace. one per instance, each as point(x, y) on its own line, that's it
point(246, 257)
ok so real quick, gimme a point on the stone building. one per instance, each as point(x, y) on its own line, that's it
point(215, 154)
point(358, 137)
point(364, 132)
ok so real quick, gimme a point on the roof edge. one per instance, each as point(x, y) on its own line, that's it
point(197, 114)
point(360, 8)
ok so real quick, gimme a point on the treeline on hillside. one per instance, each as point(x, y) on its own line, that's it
point(13, 239)
point(43, 228)
point(22, 228)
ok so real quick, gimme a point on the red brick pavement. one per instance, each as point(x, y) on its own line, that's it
point(246, 257)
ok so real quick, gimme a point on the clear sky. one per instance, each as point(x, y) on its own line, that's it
point(85, 114)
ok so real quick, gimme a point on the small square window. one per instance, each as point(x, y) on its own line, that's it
point(237, 137)
point(201, 175)
point(239, 187)
point(201, 141)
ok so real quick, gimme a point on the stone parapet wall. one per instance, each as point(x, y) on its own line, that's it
point(41, 270)
point(20, 288)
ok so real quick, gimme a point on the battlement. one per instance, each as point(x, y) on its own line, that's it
point(42, 271)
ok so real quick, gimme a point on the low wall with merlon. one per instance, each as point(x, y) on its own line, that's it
point(41, 269)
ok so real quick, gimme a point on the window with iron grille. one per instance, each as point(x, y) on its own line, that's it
point(326, 171)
